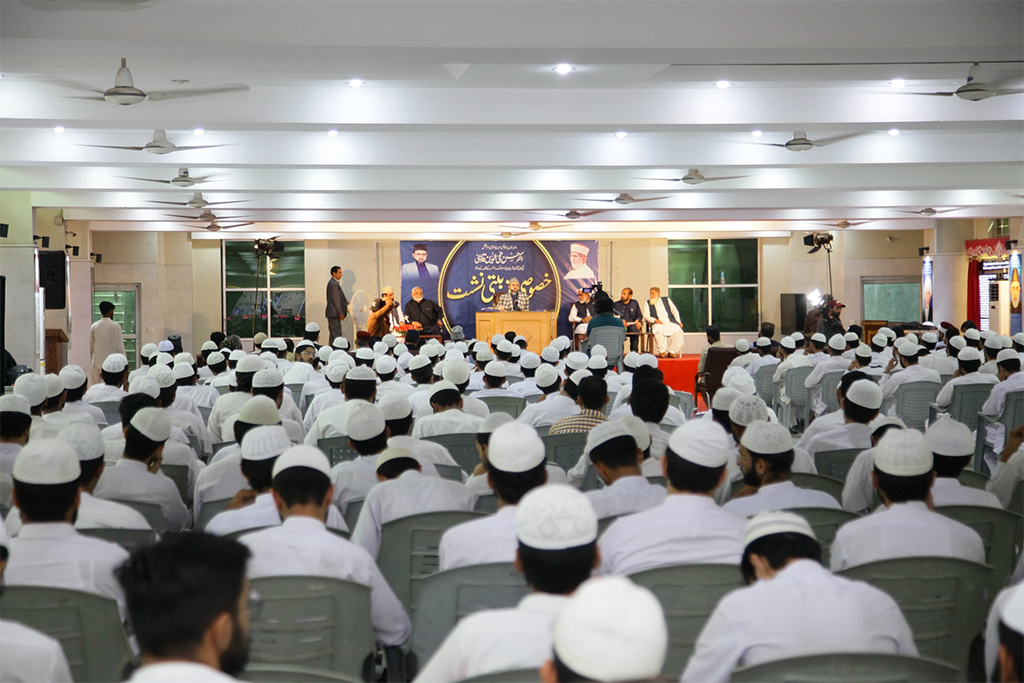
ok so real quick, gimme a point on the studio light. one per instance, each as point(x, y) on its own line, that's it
point(815, 298)
point(563, 69)
point(621, 134)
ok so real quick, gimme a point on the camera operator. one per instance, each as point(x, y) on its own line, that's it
point(604, 310)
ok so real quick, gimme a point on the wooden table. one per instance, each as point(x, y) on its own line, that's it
point(539, 327)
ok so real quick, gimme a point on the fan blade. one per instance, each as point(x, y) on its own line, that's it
point(766, 144)
point(725, 177)
point(157, 201)
point(513, 227)
point(237, 225)
point(148, 180)
point(82, 97)
point(179, 94)
point(650, 199)
point(201, 180)
point(581, 199)
point(236, 201)
point(184, 149)
point(591, 213)
point(1008, 91)
point(132, 149)
point(70, 84)
point(178, 215)
point(929, 94)
point(824, 142)
point(827, 225)
point(667, 180)
point(544, 213)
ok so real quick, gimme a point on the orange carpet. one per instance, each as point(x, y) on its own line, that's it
point(679, 372)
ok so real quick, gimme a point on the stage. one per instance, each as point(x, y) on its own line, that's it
point(679, 373)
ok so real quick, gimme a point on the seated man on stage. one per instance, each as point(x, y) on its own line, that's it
point(384, 314)
point(424, 314)
point(581, 312)
point(515, 299)
point(663, 316)
point(628, 310)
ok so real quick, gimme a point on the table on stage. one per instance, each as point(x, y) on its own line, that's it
point(539, 327)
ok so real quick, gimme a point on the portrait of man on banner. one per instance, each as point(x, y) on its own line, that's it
point(419, 272)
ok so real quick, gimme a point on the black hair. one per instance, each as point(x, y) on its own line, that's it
point(393, 468)
point(424, 375)
point(167, 395)
point(649, 400)
point(968, 325)
point(714, 332)
point(557, 571)
point(260, 473)
point(77, 393)
point(359, 388)
point(767, 330)
point(446, 398)
point(301, 486)
point(335, 269)
point(244, 381)
point(553, 387)
point(565, 674)
point(857, 330)
point(112, 378)
point(270, 392)
point(883, 430)
point(217, 368)
point(820, 345)
point(14, 425)
point(1011, 365)
point(45, 502)
point(616, 453)
point(593, 393)
point(528, 372)
point(401, 426)
point(139, 447)
point(690, 477)
point(89, 470)
point(177, 588)
point(387, 376)
point(967, 366)
point(241, 428)
point(603, 305)
point(571, 389)
point(777, 550)
point(54, 401)
point(722, 418)
point(133, 403)
point(493, 382)
point(1014, 643)
point(900, 332)
point(371, 446)
point(512, 486)
point(778, 463)
point(948, 466)
point(858, 413)
point(218, 338)
point(849, 378)
point(902, 489)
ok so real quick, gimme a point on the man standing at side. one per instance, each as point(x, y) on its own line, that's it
point(105, 339)
point(337, 304)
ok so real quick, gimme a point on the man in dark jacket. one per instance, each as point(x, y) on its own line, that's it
point(423, 313)
point(337, 305)
point(830, 324)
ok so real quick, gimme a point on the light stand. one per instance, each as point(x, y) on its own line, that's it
point(818, 241)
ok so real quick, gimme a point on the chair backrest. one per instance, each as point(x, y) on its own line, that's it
point(612, 395)
point(1017, 498)
point(1013, 410)
point(296, 389)
point(818, 482)
point(673, 400)
point(829, 384)
point(352, 511)
point(220, 445)
point(967, 401)
point(658, 481)
point(488, 504)
point(336, 449)
point(87, 625)
point(235, 535)
point(110, 410)
point(513, 405)
point(151, 511)
point(204, 412)
point(715, 364)
point(462, 448)
point(604, 523)
point(849, 667)
point(825, 522)
point(591, 482)
point(208, 510)
point(275, 673)
point(973, 479)
point(6, 487)
point(796, 391)
point(179, 475)
point(765, 385)
point(514, 676)
point(1002, 532)
point(222, 389)
point(409, 550)
point(564, 450)
point(687, 404)
point(688, 594)
point(452, 472)
point(194, 444)
point(446, 597)
point(611, 338)
point(912, 400)
point(836, 464)
point(313, 621)
point(943, 598)
point(129, 539)
point(513, 379)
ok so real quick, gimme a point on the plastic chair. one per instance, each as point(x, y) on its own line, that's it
point(129, 539)
point(674, 400)
point(235, 535)
point(825, 522)
point(352, 511)
point(87, 625)
point(965, 405)
point(315, 622)
point(208, 511)
point(452, 472)
point(591, 482)
point(151, 511)
point(687, 404)
point(221, 445)
point(336, 449)
point(6, 486)
point(111, 410)
point(658, 481)
point(195, 444)
point(829, 384)
point(448, 596)
point(276, 673)
point(837, 463)
point(1012, 416)
point(612, 339)
point(849, 667)
point(488, 504)
point(612, 395)
point(409, 550)
point(944, 600)
point(204, 412)
point(222, 389)
point(513, 405)
point(179, 475)
point(688, 594)
point(912, 400)
point(818, 482)
point(765, 386)
point(1001, 531)
point(976, 480)
point(296, 389)
point(799, 396)
point(462, 448)
point(514, 676)
point(564, 450)
point(512, 379)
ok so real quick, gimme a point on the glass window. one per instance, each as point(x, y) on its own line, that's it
point(288, 266)
point(692, 303)
point(288, 310)
point(255, 282)
point(688, 262)
point(240, 266)
point(125, 312)
point(239, 309)
point(734, 309)
point(734, 262)
point(715, 282)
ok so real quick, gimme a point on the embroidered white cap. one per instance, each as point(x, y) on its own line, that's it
point(746, 410)
point(767, 438)
point(505, 346)
point(394, 453)
point(165, 346)
point(85, 439)
point(549, 354)
point(837, 342)
point(597, 363)
point(185, 357)
point(555, 517)
point(577, 360)
point(182, 371)
point(144, 385)
point(702, 442)
point(958, 342)
point(152, 423)
point(638, 428)
point(365, 354)
point(993, 343)
point(724, 398)
point(267, 379)
point(32, 386)
point(148, 351)
point(950, 438)
point(380, 348)
point(250, 363)
point(456, 371)
point(972, 334)
point(443, 385)
point(162, 375)
point(494, 369)
point(13, 403)
point(605, 432)
point(385, 365)
point(515, 447)
point(497, 339)
point(763, 342)
point(598, 350)
point(969, 354)
point(54, 386)
point(771, 523)
point(236, 355)
point(632, 359)
point(1012, 612)
point(742, 345)
point(545, 376)
point(303, 456)
point(903, 453)
point(215, 358)
point(418, 362)
point(529, 361)
point(1007, 354)
point(863, 351)
point(340, 343)
point(365, 422)
point(115, 362)
point(797, 336)
point(493, 421)
point(264, 443)
point(164, 358)
point(579, 376)
point(930, 338)
point(395, 407)
point(819, 337)
point(850, 337)
point(46, 462)
point(484, 356)
point(260, 410)
point(788, 343)
point(208, 346)
point(73, 376)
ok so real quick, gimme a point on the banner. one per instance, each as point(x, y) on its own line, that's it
point(927, 268)
point(467, 277)
point(1015, 307)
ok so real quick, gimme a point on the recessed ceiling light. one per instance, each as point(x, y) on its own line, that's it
point(722, 85)
point(180, 81)
point(756, 133)
point(563, 69)
point(198, 131)
point(621, 134)
point(356, 83)
point(58, 129)
point(894, 131)
point(897, 83)
point(332, 133)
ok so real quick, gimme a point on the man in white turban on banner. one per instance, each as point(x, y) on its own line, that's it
point(578, 258)
point(663, 316)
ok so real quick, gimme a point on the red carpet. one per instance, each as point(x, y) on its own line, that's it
point(679, 372)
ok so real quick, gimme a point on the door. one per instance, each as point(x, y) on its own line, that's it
point(126, 314)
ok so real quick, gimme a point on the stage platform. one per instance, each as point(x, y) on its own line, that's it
point(679, 373)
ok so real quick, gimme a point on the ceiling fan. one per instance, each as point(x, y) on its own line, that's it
point(623, 199)
point(159, 145)
point(183, 179)
point(534, 225)
point(125, 93)
point(694, 177)
point(927, 211)
point(570, 215)
point(974, 90)
point(197, 202)
point(214, 226)
point(842, 225)
point(801, 143)
point(206, 216)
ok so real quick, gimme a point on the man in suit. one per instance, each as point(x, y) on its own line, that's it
point(628, 309)
point(515, 299)
point(423, 313)
point(421, 274)
point(337, 304)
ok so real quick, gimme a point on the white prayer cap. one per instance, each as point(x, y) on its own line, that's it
point(598, 350)
point(906, 347)
point(738, 379)
point(904, 453)
point(988, 334)
point(115, 362)
point(267, 379)
point(493, 421)
point(555, 517)
point(385, 365)
point(47, 462)
point(1007, 354)
point(837, 342)
point(13, 403)
point(365, 422)
point(402, 348)
point(577, 360)
point(888, 332)
point(73, 376)
point(236, 355)
point(456, 372)
point(550, 354)
point(312, 327)
point(516, 351)
point(612, 630)
point(865, 394)
point(515, 447)
point(880, 340)
point(863, 351)
point(165, 346)
point(787, 343)
point(579, 249)
point(633, 358)
point(443, 385)
point(250, 363)
point(973, 334)
point(1018, 338)
point(724, 398)
point(260, 410)
point(404, 359)
point(993, 343)
point(529, 361)
point(638, 428)
point(497, 339)
point(742, 345)
point(770, 523)
point(452, 353)
point(969, 354)
point(763, 342)
point(495, 369)
point(85, 439)
point(912, 338)
point(930, 338)
point(149, 350)
point(518, 338)
point(185, 357)
point(746, 410)
point(546, 375)
point(818, 337)
point(162, 375)
point(152, 423)
point(304, 343)
point(438, 369)
point(1012, 611)
point(484, 356)
point(164, 358)
point(950, 438)
point(597, 363)
point(702, 442)
point(340, 343)
point(54, 387)
point(884, 421)
point(462, 347)
point(389, 454)
point(505, 346)
point(1006, 341)
point(303, 456)
point(365, 354)
point(767, 438)
point(264, 443)
point(269, 344)
point(208, 346)
point(182, 371)
point(958, 342)
point(605, 432)
point(563, 341)
point(395, 407)
point(479, 346)
point(144, 385)
point(335, 372)
point(579, 376)
point(215, 357)
point(32, 387)
point(418, 362)
point(380, 348)
point(851, 337)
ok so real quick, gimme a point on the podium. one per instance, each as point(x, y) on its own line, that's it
point(539, 327)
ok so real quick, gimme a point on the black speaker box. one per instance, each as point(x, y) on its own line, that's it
point(53, 271)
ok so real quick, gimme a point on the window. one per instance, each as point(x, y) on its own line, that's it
point(895, 299)
point(264, 293)
point(126, 314)
point(715, 282)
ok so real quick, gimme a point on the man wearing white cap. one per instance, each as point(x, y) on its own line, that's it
point(225, 376)
point(688, 527)
point(328, 397)
point(613, 452)
point(556, 403)
point(147, 355)
point(529, 363)
point(75, 383)
point(302, 370)
point(952, 447)
point(816, 351)
point(137, 476)
point(663, 317)
point(968, 362)
point(789, 360)
point(458, 373)
point(397, 412)
point(15, 428)
point(49, 552)
point(302, 545)
point(367, 436)
point(105, 338)
point(611, 630)
point(111, 376)
point(359, 387)
point(990, 348)
point(935, 359)
point(387, 368)
point(592, 398)
point(556, 531)
point(270, 383)
point(858, 491)
point(578, 259)
point(515, 465)
point(183, 413)
point(404, 491)
point(448, 416)
point(860, 406)
point(903, 475)
point(764, 357)
point(200, 394)
point(508, 354)
point(478, 483)
point(745, 356)
point(1010, 379)
point(912, 370)
point(792, 607)
point(229, 404)
point(834, 363)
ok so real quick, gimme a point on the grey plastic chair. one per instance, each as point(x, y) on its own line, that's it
point(277, 673)
point(612, 339)
point(825, 522)
point(837, 463)
point(336, 449)
point(564, 450)
point(235, 535)
point(975, 480)
point(612, 395)
point(687, 404)
point(912, 400)
point(221, 445)
point(818, 482)
point(799, 396)
point(604, 523)
point(110, 410)
point(688, 594)
point(129, 539)
point(591, 482)
point(87, 625)
point(409, 550)
point(944, 599)
point(6, 487)
point(965, 405)
point(513, 405)
point(512, 379)
point(204, 412)
point(673, 400)
point(462, 448)
point(315, 622)
point(829, 384)
point(487, 504)
point(1012, 416)
point(195, 444)
point(296, 389)
point(765, 385)
point(1001, 531)
point(222, 389)
point(352, 511)
point(208, 511)
point(658, 481)
point(452, 472)
point(514, 676)
point(448, 596)
point(179, 475)
point(151, 511)
point(849, 667)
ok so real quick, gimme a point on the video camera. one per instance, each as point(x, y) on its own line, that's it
point(595, 291)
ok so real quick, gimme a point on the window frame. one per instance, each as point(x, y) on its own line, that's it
point(265, 288)
point(711, 285)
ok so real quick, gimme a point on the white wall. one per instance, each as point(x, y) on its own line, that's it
point(18, 265)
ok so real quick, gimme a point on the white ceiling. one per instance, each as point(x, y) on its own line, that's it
point(463, 126)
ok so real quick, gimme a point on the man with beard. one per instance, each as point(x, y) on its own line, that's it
point(629, 310)
point(424, 314)
point(188, 600)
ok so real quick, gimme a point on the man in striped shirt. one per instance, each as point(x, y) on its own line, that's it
point(592, 398)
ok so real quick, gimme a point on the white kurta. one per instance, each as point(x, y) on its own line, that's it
point(262, 513)
point(549, 411)
point(427, 453)
point(331, 422)
point(626, 496)
point(353, 479)
point(319, 403)
point(302, 546)
point(8, 454)
point(482, 541)
point(911, 373)
point(945, 397)
point(93, 513)
point(802, 610)
point(219, 481)
point(526, 388)
point(175, 672)
point(77, 407)
point(452, 421)
point(105, 338)
point(853, 435)
point(783, 495)
point(227, 405)
point(993, 407)
point(200, 394)
point(858, 493)
point(102, 393)
point(948, 491)
point(130, 480)
point(829, 364)
point(668, 335)
point(820, 425)
point(760, 362)
point(1006, 477)
point(31, 656)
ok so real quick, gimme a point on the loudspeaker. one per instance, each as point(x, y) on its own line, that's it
point(794, 312)
point(53, 276)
